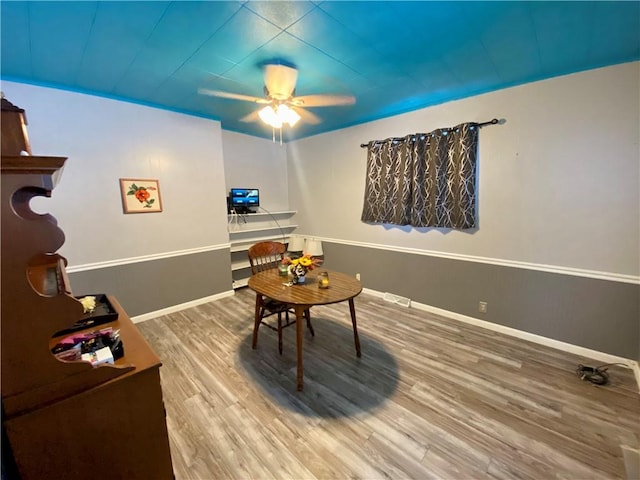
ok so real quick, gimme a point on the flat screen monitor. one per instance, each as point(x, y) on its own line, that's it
point(244, 199)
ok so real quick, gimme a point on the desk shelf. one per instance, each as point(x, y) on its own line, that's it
point(264, 214)
point(240, 283)
point(262, 229)
point(240, 265)
point(247, 229)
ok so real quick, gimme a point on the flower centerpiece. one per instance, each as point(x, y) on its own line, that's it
point(298, 267)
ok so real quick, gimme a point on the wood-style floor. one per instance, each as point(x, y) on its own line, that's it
point(430, 398)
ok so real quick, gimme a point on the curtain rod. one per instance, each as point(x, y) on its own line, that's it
point(479, 125)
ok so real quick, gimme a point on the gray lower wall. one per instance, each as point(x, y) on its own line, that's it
point(152, 285)
point(597, 314)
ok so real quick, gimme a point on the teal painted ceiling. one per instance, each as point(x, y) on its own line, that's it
point(393, 57)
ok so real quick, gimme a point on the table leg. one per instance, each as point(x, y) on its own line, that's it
point(299, 329)
point(352, 309)
point(256, 322)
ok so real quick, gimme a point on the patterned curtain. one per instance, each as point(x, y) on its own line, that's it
point(423, 180)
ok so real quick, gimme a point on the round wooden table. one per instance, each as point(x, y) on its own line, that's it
point(342, 287)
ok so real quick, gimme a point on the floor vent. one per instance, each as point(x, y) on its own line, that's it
point(397, 299)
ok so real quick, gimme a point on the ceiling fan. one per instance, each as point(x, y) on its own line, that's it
point(281, 104)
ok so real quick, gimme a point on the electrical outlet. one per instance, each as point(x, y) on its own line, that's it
point(358, 276)
point(482, 307)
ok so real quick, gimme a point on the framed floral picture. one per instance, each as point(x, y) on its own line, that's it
point(140, 195)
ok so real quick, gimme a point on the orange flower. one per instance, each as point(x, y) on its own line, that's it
point(306, 261)
point(142, 195)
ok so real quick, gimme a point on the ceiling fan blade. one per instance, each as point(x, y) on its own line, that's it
point(323, 100)
point(252, 117)
point(280, 81)
point(232, 96)
point(306, 116)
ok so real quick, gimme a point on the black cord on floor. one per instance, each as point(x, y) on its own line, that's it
point(596, 375)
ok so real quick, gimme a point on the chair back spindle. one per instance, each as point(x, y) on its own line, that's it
point(265, 256)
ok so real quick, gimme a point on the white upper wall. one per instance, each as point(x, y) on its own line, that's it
point(252, 162)
point(106, 140)
point(558, 182)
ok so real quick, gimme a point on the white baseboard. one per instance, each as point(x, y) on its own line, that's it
point(531, 337)
point(181, 306)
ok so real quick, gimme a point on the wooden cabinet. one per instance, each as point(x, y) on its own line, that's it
point(67, 419)
point(14, 130)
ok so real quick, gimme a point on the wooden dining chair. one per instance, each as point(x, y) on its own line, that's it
point(267, 256)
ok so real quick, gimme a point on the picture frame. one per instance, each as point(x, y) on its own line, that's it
point(140, 195)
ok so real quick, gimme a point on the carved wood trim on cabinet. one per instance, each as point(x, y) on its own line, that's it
point(67, 417)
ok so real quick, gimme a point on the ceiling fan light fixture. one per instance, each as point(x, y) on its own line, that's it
point(269, 116)
point(280, 106)
point(276, 117)
point(287, 115)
